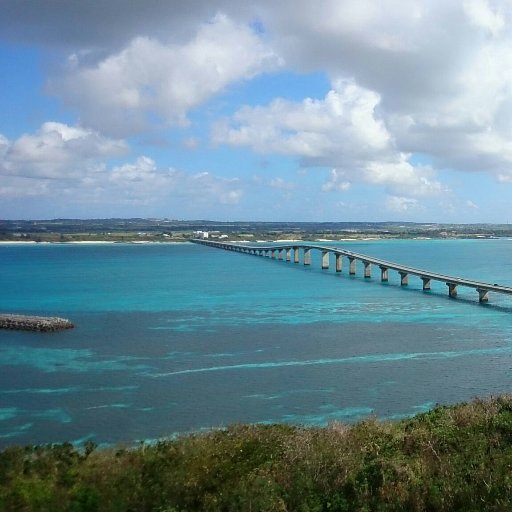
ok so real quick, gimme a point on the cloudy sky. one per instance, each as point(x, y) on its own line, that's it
point(333, 110)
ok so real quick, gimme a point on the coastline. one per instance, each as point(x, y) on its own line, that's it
point(89, 242)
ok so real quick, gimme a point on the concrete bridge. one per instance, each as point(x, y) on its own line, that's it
point(291, 252)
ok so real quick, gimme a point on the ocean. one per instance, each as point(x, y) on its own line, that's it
point(177, 338)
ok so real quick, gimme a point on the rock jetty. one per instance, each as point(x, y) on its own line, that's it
point(34, 323)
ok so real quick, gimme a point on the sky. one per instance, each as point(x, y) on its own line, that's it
point(264, 110)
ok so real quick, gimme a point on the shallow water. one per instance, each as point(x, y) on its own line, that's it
point(178, 338)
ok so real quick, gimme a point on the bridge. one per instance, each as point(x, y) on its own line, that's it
point(288, 252)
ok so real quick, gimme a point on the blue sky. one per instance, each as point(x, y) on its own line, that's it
point(332, 110)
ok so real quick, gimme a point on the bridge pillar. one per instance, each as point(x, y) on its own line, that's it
point(384, 274)
point(404, 278)
point(288, 254)
point(266, 253)
point(307, 256)
point(352, 266)
point(325, 260)
point(295, 255)
point(426, 283)
point(483, 295)
point(367, 269)
point(339, 262)
point(280, 254)
point(452, 289)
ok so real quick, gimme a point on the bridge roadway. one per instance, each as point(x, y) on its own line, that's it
point(426, 276)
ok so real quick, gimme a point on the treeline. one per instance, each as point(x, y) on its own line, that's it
point(451, 458)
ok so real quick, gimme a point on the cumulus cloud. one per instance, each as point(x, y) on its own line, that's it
point(150, 81)
point(343, 131)
point(337, 182)
point(316, 130)
point(441, 70)
point(140, 184)
point(483, 15)
point(70, 165)
point(282, 184)
point(429, 78)
point(144, 179)
point(401, 204)
point(57, 151)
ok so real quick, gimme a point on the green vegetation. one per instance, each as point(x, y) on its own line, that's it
point(451, 458)
point(166, 230)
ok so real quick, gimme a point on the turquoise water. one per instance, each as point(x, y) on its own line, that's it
point(178, 338)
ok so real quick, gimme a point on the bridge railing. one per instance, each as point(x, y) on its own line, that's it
point(284, 251)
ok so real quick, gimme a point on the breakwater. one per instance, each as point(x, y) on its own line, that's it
point(34, 323)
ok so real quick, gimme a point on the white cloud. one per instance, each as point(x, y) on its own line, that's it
point(337, 182)
point(425, 80)
point(152, 82)
point(57, 151)
point(282, 184)
point(140, 184)
point(401, 204)
point(143, 180)
point(441, 70)
point(69, 166)
point(232, 197)
point(342, 125)
point(400, 176)
point(482, 15)
point(343, 131)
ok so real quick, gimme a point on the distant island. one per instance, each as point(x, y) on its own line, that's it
point(169, 230)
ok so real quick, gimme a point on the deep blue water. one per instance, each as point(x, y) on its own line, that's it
point(178, 338)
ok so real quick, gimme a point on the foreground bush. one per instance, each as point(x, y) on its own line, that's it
point(451, 458)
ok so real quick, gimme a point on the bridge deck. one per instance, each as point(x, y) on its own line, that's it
point(383, 264)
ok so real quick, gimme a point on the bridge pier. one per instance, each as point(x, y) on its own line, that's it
point(483, 295)
point(307, 256)
point(325, 260)
point(285, 251)
point(339, 262)
point(452, 289)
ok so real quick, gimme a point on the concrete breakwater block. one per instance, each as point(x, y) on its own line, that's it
point(34, 323)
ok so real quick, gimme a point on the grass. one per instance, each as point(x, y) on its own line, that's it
point(451, 458)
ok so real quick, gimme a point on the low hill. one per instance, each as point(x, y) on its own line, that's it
point(451, 458)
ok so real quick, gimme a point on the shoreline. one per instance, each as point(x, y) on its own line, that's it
point(305, 242)
point(88, 242)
